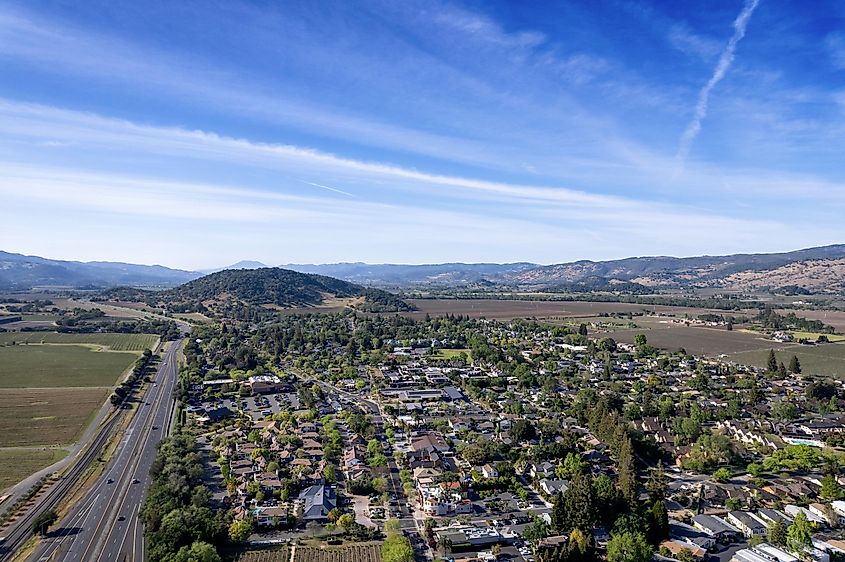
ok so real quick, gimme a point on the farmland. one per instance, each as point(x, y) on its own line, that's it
point(698, 340)
point(17, 464)
point(370, 552)
point(51, 386)
point(42, 366)
point(826, 359)
point(115, 342)
point(275, 555)
point(46, 416)
point(509, 309)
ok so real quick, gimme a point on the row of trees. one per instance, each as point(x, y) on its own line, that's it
point(180, 526)
point(141, 368)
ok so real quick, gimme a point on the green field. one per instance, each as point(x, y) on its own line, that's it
point(47, 416)
point(813, 336)
point(825, 359)
point(17, 464)
point(47, 366)
point(451, 353)
point(115, 342)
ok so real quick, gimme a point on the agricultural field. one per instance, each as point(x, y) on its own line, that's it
point(824, 359)
point(813, 336)
point(369, 552)
point(833, 318)
point(274, 555)
point(509, 309)
point(661, 332)
point(43, 366)
point(47, 416)
point(17, 464)
point(51, 387)
point(350, 553)
point(112, 341)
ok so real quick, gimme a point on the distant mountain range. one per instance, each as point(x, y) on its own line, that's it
point(814, 270)
point(397, 275)
point(244, 264)
point(19, 272)
point(786, 270)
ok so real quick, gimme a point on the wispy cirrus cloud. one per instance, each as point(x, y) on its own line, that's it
point(726, 59)
point(682, 38)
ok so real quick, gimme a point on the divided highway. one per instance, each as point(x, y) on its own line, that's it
point(104, 524)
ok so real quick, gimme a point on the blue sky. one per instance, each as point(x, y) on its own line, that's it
point(196, 134)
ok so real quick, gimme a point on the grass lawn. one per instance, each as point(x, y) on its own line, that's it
point(113, 341)
point(825, 359)
point(46, 366)
point(47, 416)
point(451, 353)
point(17, 464)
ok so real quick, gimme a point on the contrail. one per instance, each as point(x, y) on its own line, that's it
point(725, 61)
point(329, 188)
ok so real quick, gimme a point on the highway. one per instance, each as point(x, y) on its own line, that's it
point(104, 525)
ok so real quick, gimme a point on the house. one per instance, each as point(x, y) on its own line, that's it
point(553, 487)
point(763, 553)
point(716, 527)
point(792, 511)
point(271, 515)
point(489, 471)
point(319, 500)
point(677, 546)
point(747, 523)
point(768, 515)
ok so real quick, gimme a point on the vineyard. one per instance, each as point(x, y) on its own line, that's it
point(351, 553)
point(275, 555)
point(112, 341)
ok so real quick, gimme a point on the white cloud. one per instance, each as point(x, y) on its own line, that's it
point(684, 40)
point(725, 61)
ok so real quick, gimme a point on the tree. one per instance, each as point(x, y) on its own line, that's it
point(392, 527)
point(578, 547)
point(722, 475)
point(198, 552)
point(795, 365)
point(629, 486)
point(830, 489)
point(772, 362)
point(397, 548)
point(658, 522)
point(799, 537)
point(576, 507)
point(657, 482)
point(239, 531)
point(776, 532)
point(523, 430)
point(640, 340)
point(628, 547)
point(346, 521)
point(42, 522)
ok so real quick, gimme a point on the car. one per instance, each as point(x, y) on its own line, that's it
point(110, 481)
point(121, 518)
point(136, 481)
point(155, 427)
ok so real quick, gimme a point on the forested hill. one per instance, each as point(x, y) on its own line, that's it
point(270, 286)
